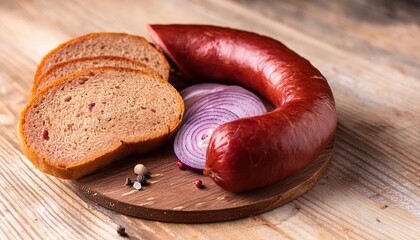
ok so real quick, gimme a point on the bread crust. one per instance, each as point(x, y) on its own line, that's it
point(43, 76)
point(39, 71)
point(119, 150)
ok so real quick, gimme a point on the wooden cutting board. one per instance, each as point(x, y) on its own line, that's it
point(171, 195)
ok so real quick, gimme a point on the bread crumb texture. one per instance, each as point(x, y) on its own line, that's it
point(71, 66)
point(106, 44)
point(87, 120)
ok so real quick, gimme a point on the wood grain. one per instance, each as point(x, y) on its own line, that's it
point(171, 195)
point(369, 52)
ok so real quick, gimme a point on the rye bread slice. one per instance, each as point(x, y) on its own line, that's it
point(74, 65)
point(106, 44)
point(86, 120)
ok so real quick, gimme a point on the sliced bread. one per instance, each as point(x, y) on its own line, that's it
point(106, 44)
point(86, 120)
point(74, 65)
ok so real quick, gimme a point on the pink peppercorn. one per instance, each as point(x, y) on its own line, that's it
point(180, 165)
point(198, 183)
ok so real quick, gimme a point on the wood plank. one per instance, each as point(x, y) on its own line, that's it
point(329, 211)
point(33, 203)
point(357, 25)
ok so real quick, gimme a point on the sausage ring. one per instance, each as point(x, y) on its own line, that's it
point(254, 152)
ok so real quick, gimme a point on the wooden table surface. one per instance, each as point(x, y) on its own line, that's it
point(368, 50)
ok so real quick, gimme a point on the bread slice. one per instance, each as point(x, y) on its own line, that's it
point(86, 120)
point(106, 44)
point(74, 65)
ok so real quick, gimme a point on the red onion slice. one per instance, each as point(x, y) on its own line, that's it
point(194, 92)
point(208, 106)
point(243, 104)
point(192, 139)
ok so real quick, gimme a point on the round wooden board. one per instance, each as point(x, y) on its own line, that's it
point(172, 196)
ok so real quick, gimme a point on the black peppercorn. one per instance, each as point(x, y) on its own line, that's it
point(141, 179)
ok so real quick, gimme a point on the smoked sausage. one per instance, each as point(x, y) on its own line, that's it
point(254, 152)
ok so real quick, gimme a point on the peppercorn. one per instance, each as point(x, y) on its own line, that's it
point(140, 169)
point(142, 179)
point(180, 165)
point(198, 183)
point(128, 181)
point(121, 232)
point(137, 185)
